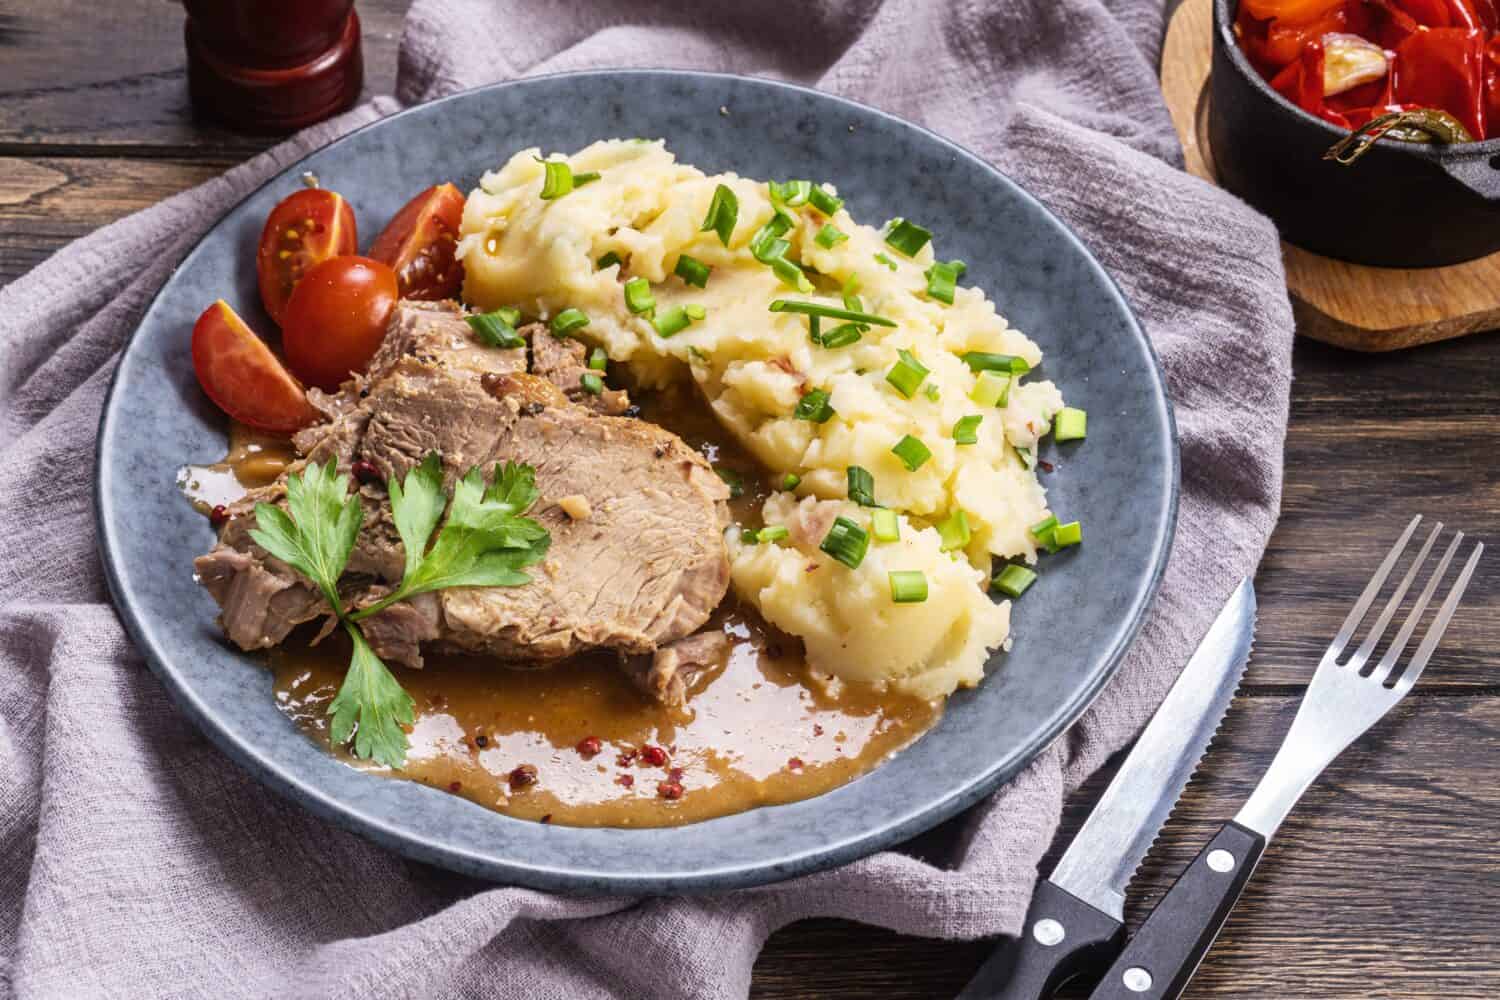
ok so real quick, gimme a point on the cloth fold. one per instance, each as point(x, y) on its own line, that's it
point(136, 861)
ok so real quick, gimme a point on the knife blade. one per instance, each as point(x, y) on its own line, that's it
point(1076, 917)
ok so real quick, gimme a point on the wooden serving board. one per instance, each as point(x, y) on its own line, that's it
point(1351, 305)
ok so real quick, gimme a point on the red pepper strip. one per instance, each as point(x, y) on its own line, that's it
point(1428, 13)
point(1492, 83)
point(1444, 68)
point(1273, 45)
point(1302, 84)
point(1289, 11)
point(1473, 14)
point(1386, 24)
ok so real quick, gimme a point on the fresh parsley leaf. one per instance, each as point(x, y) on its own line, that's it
point(371, 706)
point(483, 542)
point(316, 533)
point(417, 506)
point(514, 487)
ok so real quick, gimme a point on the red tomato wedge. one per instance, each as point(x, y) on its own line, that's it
point(241, 375)
point(305, 229)
point(419, 243)
point(336, 319)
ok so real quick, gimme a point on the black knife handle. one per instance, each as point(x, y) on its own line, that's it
point(1165, 952)
point(1028, 968)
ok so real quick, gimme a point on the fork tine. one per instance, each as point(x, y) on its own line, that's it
point(1394, 604)
point(1357, 613)
point(1439, 626)
point(1414, 617)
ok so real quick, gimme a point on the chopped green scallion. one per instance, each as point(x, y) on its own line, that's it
point(1067, 534)
point(907, 237)
point(861, 486)
point(791, 193)
point(790, 481)
point(830, 236)
point(557, 179)
point(885, 525)
point(1069, 425)
point(907, 374)
point(1006, 364)
point(592, 383)
point(847, 542)
point(569, 320)
point(598, 360)
point(723, 213)
point(814, 406)
point(942, 279)
point(840, 336)
point(767, 243)
point(589, 177)
point(821, 199)
point(912, 452)
point(932, 392)
point(673, 321)
point(791, 275)
point(881, 258)
point(638, 297)
point(772, 533)
point(830, 312)
point(966, 431)
point(1013, 580)
point(850, 294)
point(692, 270)
point(908, 586)
point(610, 259)
point(1042, 532)
point(954, 531)
point(497, 329)
point(989, 388)
point(695, 312)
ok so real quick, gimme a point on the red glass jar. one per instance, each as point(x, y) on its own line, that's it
point(273, 65)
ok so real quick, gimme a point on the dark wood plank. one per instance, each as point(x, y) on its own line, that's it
point(1382, 884)
point(1375, 438)
point(46, 202)
point(86, 78)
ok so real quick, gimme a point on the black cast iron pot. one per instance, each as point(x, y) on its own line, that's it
point(1402, 204)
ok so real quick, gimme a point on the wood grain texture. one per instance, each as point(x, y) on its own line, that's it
point(87, 78)
point(1385, 882)
point(1382, 884)
point(1351, 305)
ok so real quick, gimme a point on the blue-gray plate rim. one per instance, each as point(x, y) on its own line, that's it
point(1072, 629)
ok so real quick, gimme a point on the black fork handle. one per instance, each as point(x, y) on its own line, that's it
point(1165, 952)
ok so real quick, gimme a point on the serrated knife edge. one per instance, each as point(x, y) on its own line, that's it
point(1100, 862)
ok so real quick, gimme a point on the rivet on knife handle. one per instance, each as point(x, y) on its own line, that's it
point(1062, 937)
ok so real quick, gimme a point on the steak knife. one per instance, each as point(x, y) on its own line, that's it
point(1076, 918)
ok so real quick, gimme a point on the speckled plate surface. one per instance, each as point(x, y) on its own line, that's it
point(1070, 630)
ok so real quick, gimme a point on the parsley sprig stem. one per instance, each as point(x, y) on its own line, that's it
point(484, 542)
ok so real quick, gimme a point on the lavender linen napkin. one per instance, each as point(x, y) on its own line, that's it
point(135, 861)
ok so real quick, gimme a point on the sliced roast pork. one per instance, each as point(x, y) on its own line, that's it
point(637, 560)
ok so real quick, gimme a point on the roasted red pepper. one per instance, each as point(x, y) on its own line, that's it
point(1444, 68)
point(1443, 54)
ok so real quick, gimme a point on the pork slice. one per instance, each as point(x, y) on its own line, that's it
point(261, 599)
point(669, 673)
point(436, 335)
point(563, 361)
point(645, 568)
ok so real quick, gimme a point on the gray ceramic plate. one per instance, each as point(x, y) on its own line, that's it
point(1070, 630)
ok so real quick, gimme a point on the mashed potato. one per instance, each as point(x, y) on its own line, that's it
point(753, 366)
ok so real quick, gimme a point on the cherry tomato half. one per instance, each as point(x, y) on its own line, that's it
point(336, 318)
point(241, 375)
point(420, 241)
point(306, 228)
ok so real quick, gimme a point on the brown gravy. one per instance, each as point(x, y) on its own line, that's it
point(760, 730)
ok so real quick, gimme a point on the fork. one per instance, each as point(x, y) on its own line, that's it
point(1342, 702)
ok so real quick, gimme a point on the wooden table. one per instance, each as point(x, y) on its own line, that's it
point(1384, 883)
